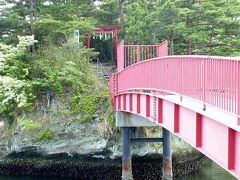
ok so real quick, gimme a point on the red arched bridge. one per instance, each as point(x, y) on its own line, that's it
point(194, 97)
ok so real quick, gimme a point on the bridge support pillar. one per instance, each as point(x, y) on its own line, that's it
point(167, 156)
point(126, 154)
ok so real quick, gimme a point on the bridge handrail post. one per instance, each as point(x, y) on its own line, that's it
point(116, 80)
point(181, 79)
point(114, 91)
point(238, 92)
point(204, 84)
point(138, 53)
point(120, 56)
point(162, 49)
point(164, 75)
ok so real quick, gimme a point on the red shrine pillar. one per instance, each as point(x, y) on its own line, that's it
point(89, 40)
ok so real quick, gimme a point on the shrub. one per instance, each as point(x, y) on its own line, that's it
point(63, 69)
point(86, 105)
point(15, 87)
point(45, 135)
point(28, 124)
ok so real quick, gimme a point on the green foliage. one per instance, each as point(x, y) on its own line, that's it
point(28, 124)
point(86, 105)
point(48, 29)
point(55, 66)
point(56, 31)
point(60, 67)
point(15, 87)
point(56, 70)
point(109, 115)
point(139, 17)
point(108, 12)
point(90, 105)
point(105, 49)
point(45, 135)
point(9, 128)
point(63, 69)
point(192, 27)
point(49, 21)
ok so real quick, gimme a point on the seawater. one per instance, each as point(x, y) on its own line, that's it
point(209, 171)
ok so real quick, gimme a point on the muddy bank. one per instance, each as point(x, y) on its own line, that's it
point(92, 166)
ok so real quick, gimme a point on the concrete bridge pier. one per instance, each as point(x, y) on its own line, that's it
point(125, 121)
point(167, 155)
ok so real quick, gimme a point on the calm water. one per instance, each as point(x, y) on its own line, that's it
point(210, 171)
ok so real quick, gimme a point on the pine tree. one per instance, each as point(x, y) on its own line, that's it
point(191, 26)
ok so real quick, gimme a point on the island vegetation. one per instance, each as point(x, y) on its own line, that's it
point(47, 77)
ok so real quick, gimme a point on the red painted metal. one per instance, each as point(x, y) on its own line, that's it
point(138, 103)
point(130, 103)
point(115, 103)
point(198, 77)
point(137, 53)
point(148, 106)
point(162, 49)
point(176, 118)
point(198, 130)
point(238, 94)
point(119, 102)
point(124, 101)
point(116, 84)
point(160, 110)
point(231, 148)
point(89, 40)
point(120, 56)
point(184, 86)
point(110, 29)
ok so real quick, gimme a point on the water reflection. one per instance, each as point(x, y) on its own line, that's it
point(209, 171)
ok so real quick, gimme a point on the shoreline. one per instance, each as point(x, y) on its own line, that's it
point(93, 166)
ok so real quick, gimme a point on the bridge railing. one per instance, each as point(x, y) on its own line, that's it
point(131, 54)
point(137, 53)
point(214, 81)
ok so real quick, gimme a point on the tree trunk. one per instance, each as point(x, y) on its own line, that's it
point(190, 47)
point(32, 17)
point(121, 16)
point(189, 41)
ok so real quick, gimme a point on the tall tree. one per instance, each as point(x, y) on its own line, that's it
point(140, 22)
point(192, 26)
point(28, 17)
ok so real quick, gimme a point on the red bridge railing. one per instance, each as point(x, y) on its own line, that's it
point(214, 81)
point(137, 53)
point(131, 54)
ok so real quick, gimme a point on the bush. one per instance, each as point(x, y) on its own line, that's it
point(63, 69)
point(15, 87)
point(28, 124)
point(45, 135)
point(86, 105)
